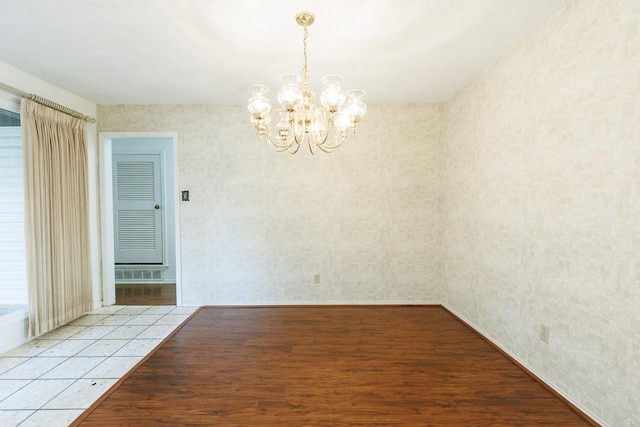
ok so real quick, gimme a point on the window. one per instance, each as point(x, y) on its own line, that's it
point(13, 273)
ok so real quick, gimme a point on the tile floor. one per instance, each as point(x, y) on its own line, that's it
point(51, 380)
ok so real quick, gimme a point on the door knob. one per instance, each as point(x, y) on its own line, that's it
point(157, 206)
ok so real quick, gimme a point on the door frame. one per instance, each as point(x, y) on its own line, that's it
point(106, 209)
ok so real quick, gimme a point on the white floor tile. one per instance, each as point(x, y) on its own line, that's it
point(35, 394)
point(110, 309)
point(116, 319)
point(8, 387)
point(160, 309)
point(32, 368)
point(7, 363)
point(13, 418)
point(88, 319)
point(172, 319)
point(32, 348)
point(126, 332)
point(138, 347)
point(184, 310)
point(52, 418)
point(157, 331)
point(94, 332)
point(106, 344)
point(63, 332)
point(67, 348)
point(103, 348)
point(81, 394)
point(113, 367)
point(134, 309)
point(145, 319)
point(74, 367)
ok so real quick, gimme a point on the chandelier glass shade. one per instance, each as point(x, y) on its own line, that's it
point(323, 127)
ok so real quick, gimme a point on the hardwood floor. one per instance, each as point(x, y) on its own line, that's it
point(328, 366)
point(146, 294)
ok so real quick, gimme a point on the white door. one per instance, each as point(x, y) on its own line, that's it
point(138, 205)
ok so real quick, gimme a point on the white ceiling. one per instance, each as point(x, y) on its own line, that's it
point(209, 51)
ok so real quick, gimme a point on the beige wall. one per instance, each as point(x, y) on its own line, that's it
point(537, 165)
point(542, 204)
point(261, 224)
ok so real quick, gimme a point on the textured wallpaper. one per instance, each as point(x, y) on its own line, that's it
point(542, 205)
point(260, 225)
point(516, 204)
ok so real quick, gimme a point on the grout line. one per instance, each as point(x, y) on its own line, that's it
point(163, 336)
point(132, 370)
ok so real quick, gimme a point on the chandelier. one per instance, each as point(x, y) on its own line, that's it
point(300, 119)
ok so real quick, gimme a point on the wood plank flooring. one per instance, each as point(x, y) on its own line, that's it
point(146, 294)
point(329, 366)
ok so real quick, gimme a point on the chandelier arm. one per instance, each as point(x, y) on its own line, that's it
point(333, 147)
point(275, 143)
point(326, 137)
point(299, 134)
point(327, 150)
point(294, 150)
point(278, 148)
point(330, 148)
point(298, 139)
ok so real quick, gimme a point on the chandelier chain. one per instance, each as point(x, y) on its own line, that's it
point(305, 69)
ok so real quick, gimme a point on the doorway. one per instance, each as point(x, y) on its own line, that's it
point(140, 233)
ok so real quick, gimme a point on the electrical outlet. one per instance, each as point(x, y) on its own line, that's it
point(544, 333)
point(316, 278)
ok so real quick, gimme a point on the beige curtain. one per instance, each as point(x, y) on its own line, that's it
point(56, 216)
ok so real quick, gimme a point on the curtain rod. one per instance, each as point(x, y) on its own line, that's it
point(47, 103)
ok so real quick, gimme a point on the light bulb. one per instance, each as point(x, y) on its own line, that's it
point(258, 105)
point(355, 106)
point(332, 97)
point(290, 93)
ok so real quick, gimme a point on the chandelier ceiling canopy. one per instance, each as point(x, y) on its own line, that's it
point(299, 118)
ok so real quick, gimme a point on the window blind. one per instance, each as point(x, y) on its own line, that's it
point(13, 272)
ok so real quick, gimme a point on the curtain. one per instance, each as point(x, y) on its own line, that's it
point(56, 217)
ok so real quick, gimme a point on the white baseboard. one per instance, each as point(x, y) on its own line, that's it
point(539, 376)
point(316, 303)
point(14, 330)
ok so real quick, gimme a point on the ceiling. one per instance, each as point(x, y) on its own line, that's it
point(210, 51)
